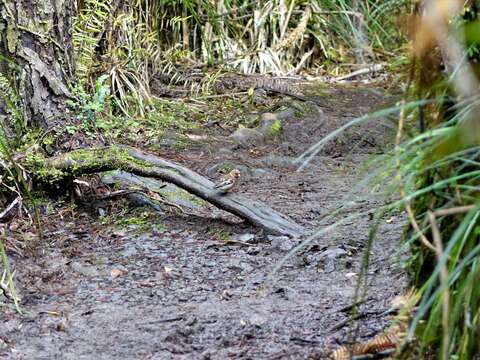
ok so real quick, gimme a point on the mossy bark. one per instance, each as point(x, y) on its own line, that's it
point(36, 47)
point(87, 161)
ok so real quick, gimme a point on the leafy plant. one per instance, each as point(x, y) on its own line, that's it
point(89, 107)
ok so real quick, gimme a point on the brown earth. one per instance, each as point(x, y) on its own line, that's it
point(176, 287)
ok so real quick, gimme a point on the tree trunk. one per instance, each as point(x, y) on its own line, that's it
point(37, 58)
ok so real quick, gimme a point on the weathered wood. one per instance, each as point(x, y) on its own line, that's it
point(139, 163)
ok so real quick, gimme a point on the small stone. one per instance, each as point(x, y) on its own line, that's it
point(244, 237)
point(246, 136)
point(334, 253)
point(252, 251)
point(282, 243)
point(84, 270)
point(226, 294)
point(257, 320)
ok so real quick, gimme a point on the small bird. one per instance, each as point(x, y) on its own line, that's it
point(228, 181)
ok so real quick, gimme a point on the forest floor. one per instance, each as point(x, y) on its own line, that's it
point(135, 284)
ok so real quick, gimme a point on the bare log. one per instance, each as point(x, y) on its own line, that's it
point(85, 161)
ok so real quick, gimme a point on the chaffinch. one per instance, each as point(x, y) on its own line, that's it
point(228, 181)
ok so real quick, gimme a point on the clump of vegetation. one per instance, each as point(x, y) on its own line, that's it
point(439, 174)
point(131, 42)
point(140, 220)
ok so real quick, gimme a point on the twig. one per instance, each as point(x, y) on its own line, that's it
point(166, 202)
point(7, 285)
point(4, 287)
point(156, 197)
point(443, 280)
point(351, 306)
point(117, 193)
point(371, 69)
point(10, 207)
point(341, 324)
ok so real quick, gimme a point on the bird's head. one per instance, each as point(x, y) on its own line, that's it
point(235, 173)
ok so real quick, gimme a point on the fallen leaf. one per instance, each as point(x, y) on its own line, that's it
point(226, 294)
point(114, 273)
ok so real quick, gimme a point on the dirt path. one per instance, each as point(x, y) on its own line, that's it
point(174, 288)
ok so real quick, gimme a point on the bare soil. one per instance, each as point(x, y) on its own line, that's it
point(177, 287)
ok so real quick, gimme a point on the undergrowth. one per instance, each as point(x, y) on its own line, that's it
point(133, 41)
point(434, 171)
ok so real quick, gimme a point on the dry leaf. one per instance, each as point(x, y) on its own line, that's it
point(114, 273)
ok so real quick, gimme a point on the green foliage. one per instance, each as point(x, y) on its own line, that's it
point(275, 128)
point(438, 181)
point(442, 172)
point(281, 36)
point(89, 28)
point(89, 107)
point(12, 105)
point(163, 117)
point(133, 41)
point(115, 41)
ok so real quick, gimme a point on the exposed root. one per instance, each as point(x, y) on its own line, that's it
point(87, 161)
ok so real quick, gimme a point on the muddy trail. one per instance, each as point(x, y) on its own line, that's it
point(196, 285)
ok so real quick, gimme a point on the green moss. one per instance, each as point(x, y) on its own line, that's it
point(220, 235)
point(181, 143)
point(160, 120)
point(35, 162)
point(275, 129)
point(318, 89)
point(141, 219)
point(80, 162)
point(185, 195)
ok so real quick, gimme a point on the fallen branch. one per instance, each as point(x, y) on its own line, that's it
point(365, 71)
point(87, 161)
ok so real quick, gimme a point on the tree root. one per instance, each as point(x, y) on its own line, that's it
point(126, 158)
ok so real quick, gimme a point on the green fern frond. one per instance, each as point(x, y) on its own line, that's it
point(89, 27)
point(12, 103)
